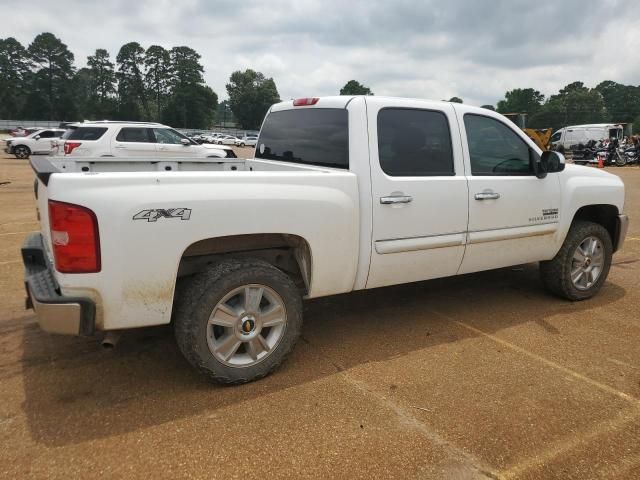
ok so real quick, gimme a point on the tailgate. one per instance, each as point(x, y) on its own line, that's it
point(43, 169)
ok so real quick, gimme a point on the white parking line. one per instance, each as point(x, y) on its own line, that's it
point(14, 233)
point(555, 449)
point(552, 364)
point(10, 262)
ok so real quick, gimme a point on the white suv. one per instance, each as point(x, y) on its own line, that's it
point(39, 142)
point(249, 140)
point(133, 139)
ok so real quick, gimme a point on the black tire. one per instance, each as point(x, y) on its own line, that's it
point(556, 273)
point(242, 144)
point(196, 298)
point(621, 159)
point(21, 152)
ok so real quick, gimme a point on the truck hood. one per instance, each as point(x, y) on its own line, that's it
point(573, 170)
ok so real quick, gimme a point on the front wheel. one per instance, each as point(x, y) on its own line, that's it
point(238, 321)
point(621, 159)
point(242, 144)
point(579, 269)
point(21, 152)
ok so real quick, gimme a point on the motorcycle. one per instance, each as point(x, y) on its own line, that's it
point(586, 153)
point(609, 152)
point(626, 155)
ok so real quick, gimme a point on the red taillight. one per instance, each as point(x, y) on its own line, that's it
point(75, 238)
point(70, 147)
point(301, 102)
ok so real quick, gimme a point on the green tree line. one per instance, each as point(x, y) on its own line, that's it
point(575, 104)
point(156, 84)
point(40, 82)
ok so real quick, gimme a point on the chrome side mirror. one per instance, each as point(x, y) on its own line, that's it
point(185, 142)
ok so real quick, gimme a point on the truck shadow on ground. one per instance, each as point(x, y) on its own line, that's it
point(76, 392)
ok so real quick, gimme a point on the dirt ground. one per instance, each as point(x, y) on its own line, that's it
point(480, 376)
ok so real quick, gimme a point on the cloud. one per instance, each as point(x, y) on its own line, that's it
point(428, 49)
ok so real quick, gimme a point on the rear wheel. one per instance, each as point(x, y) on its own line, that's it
point(621, 159)
point(238, 321)
point(21, 151)
point(579, 269)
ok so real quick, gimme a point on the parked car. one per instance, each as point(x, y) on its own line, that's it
point(405, 190)
point(569, 137)
point(209, 139)
point(132, 139)
point(23, 132)
point(18, 132)
point(226, 140)
point(40, 142)
point(247, 140)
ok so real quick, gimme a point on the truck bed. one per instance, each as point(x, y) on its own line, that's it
point(140, 257)
point(189, 164)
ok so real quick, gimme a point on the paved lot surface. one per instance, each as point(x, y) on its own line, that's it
point(481, 376)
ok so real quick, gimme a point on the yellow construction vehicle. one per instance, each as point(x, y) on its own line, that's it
point(541, 137)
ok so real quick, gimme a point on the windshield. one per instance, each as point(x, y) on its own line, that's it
point(313, 136)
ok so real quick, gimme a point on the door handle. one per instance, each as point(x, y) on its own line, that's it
point(487, 196)
point(120, 146)
point(393, 199)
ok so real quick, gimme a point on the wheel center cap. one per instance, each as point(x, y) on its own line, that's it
point(248, 325)
point(587, 262)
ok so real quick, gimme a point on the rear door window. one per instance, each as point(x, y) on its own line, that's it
point(414, 143)
point(87, 133)
point(134, 135)
point(312, 136)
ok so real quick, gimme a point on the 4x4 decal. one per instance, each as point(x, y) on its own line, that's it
point(153, 214)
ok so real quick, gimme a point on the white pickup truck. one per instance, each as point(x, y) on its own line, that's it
point(344, 193)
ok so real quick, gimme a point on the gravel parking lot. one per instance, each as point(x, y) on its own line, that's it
point(479, 376)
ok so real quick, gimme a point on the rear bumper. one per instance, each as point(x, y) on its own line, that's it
point(55, 312)
point(622, 225)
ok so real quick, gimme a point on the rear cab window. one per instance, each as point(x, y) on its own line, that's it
point(86, 133)
point(310, 136)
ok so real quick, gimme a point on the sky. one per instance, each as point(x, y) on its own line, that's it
point(474, 49)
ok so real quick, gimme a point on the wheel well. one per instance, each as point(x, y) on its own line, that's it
point(289, 253)
point(605, 215)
